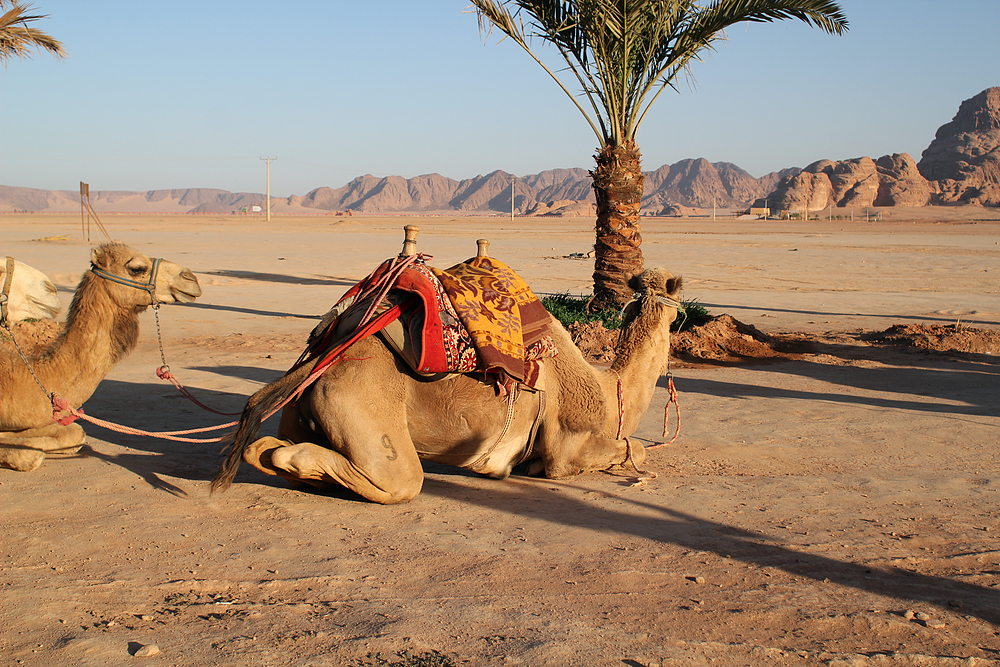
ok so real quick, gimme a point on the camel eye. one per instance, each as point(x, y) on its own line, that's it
point(136, 270)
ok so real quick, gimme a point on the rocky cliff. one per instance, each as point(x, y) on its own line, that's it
point(964, 158)
point(892, 180)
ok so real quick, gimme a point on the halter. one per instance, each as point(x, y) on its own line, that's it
point(149, 286)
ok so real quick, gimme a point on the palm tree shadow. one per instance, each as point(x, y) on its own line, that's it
point(281, 278)
point(952, 380)
point(664, 525)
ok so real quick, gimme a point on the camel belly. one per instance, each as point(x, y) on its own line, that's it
point(460, 421)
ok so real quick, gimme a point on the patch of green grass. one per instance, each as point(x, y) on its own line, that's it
point(569, 309)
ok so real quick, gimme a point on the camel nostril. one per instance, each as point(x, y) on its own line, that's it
point(188, 274)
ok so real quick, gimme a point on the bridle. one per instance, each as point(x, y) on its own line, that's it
point(149, 286)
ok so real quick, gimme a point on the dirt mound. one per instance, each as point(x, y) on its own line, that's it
point(938, 338)
point(31, 336)
point(596, 342)
point(722, 339)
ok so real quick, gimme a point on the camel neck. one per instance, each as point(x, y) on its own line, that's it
point(643, 354)
point(98, 333)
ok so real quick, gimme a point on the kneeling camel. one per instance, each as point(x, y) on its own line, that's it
point(27, 293)
point(368, 421)
point(102, 326)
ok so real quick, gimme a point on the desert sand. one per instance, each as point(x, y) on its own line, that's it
point(837, 506)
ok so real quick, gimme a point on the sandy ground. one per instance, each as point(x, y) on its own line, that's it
point(838, 508)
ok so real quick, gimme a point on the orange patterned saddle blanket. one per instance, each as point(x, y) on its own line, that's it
point(477, 316)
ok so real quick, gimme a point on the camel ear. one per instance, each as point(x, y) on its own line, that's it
point(98, 257)
point(674, 286)
point(633, 282)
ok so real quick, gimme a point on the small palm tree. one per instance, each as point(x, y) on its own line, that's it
point(17, 38)
point(623, 54)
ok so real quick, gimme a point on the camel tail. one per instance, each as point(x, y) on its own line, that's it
point(257, 407)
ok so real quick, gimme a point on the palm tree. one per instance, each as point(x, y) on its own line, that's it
point(17, 38)
point(623, 54)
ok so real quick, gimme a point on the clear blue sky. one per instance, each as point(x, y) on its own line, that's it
point(192, 94)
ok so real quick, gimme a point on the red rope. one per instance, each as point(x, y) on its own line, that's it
point(672, 391)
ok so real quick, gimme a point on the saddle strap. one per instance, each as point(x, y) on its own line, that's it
point(511, 397)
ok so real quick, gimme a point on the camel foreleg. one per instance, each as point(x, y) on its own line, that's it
point(577, 453)
point(25, 450)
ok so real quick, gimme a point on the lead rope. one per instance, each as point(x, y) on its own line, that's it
point(163, 372)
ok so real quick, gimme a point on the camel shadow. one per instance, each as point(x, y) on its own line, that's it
point(252, 373)
point(668, 526)
point(159, 408)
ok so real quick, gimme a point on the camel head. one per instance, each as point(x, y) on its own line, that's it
point(648, 317)
point(653, 286)
point(31, 295)
point(140, 281)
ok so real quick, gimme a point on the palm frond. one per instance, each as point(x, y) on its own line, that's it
point(18, 39)
point(623, 53)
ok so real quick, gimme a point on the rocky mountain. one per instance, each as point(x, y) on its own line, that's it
point(703, 184)
point(892, 180)
point(964, 158)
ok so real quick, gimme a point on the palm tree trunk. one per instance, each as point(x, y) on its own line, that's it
point(618, 182)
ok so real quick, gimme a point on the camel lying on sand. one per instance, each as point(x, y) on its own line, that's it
point(368, 420)
point(29, 292)
point(102, 326)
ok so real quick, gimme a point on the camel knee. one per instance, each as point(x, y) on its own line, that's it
point(310, 462)
point(20, 458)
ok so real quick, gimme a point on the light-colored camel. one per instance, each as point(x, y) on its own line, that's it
point(30, 294)
point(369, 420)
point(102, 326)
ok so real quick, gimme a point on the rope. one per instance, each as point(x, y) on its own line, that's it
point(163, 372)
point(672, 398)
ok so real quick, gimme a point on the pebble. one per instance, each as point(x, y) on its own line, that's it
point(934, 623)
point(147, 651)
point(921, 616)
point(908, 614)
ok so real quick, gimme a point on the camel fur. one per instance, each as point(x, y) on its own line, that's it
point(101, 328)
point(32, 296)
point(368, 420)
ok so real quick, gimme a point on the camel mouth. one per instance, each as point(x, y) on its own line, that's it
point(185, 287)
point(185, 294)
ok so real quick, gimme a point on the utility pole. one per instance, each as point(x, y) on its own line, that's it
point(512, 179)
point(268, 160)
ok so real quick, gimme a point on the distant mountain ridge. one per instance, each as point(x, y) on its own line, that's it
point(961, 165)
point(691, 183)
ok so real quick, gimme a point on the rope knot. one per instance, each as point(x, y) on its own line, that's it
point(61, 405)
